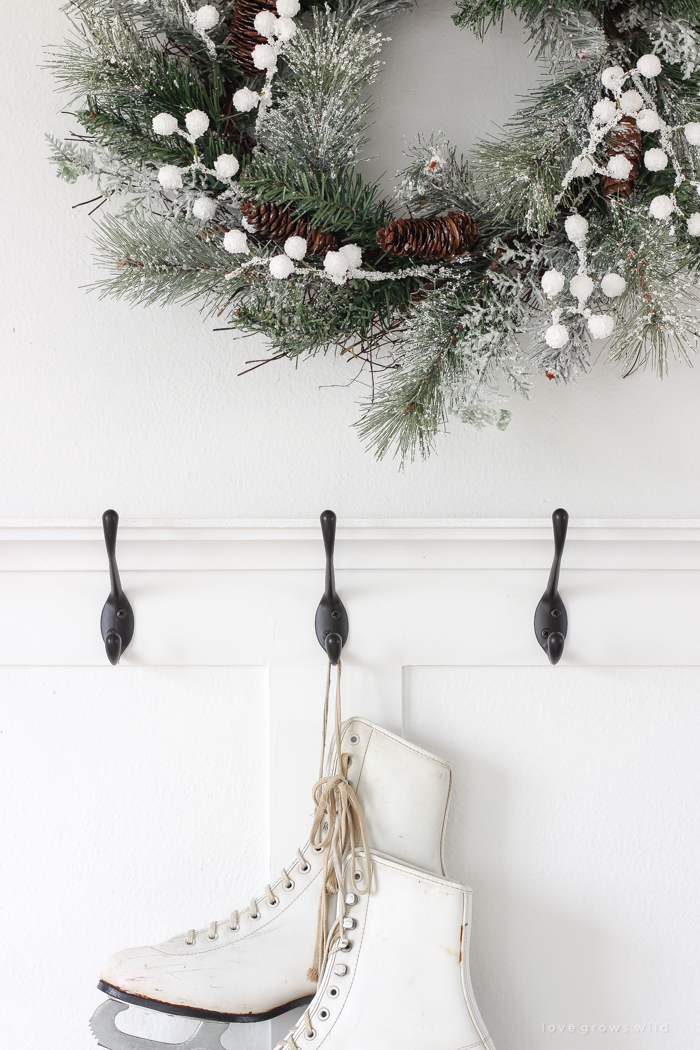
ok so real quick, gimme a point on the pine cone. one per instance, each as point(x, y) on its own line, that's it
point(243, 34)
point(441, 237)
point(277, 223)
point(625, 138)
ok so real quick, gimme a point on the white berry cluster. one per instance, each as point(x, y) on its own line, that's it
point(581, 286)
point(225, 168)
point(337, 266)
point(277, 30)
point(196, 122)
point(635, 102)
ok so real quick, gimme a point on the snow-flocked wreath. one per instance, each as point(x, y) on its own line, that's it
point(229, 134)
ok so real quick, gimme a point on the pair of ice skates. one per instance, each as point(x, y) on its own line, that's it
point(394, 971)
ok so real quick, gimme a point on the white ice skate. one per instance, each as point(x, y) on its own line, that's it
point(397, 972)
point(253, 964)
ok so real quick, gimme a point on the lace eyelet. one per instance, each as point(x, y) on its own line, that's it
point(347, 947)
point(214, 938)
point(289, 885)
point(354, 739)
point(255, 917)
point(312, 1035)
point(324, 1014)
point(305, 869)
point(333, 992)
point(358, 876)
point(317, 849)
point(234, 928)
point(274, 903)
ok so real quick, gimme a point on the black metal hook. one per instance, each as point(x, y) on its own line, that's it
point(331, 618)
point(117, 622)
point(551, 621)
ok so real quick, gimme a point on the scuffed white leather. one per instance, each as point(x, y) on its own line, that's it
point(262, 966)
point(404, 793)
point(253, 970)
point(407, 982)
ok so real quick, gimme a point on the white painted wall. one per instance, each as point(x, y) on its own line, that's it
point(140, 800)
point(104, 405)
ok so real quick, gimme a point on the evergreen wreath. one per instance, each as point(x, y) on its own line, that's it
point(229, 134)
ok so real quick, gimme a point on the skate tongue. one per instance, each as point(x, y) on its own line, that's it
point(105, 1031)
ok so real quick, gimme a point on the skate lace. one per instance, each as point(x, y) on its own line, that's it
point(338, 829)
point(290, 1042)
point(234, 922)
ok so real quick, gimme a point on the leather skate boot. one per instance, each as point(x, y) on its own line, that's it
point(252, 965)
point(397, 971)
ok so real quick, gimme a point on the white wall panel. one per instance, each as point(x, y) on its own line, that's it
point(157, 795)
point(575, 820)
point(134, 805)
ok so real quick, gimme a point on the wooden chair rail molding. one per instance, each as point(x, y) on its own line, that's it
point(456, 592)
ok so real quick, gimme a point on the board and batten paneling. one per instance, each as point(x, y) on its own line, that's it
point(143, 799)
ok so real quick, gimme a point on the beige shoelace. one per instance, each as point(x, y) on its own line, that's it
point(338, 828)
point(233, 922)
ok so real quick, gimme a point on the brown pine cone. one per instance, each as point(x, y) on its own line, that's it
point(626, 139)
point(441, 237)
point(243, 34)
point(277, 223)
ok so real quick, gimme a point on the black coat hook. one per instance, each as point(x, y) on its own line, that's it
point(551, 622)
point(331, 617)
point(117, 622)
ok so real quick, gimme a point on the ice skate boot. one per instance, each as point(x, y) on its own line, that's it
point(253, 964)
point(397, 970)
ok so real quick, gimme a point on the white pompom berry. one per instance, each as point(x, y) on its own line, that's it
point(226, 166)
point(296, 247)
point(204, 208)
point(336, 266)
point(613, 285)
point(170, 177)
point(694, 224)
point(288, 8)
point(576, 228)
point(648, 120)
point(584, 168)
point(285, 28)
point(264, 57)
point(197, 122)
point(612, 76)
point(244, 100)
point(206, 18)
point(353, 254)
point(581, 286)
point(236, 242)
point(552, 282)
point(692, 133)
point(649, 65)
point(556, 336)
point(164, 124)
point(601, 326)
point(655, 160)
point(619, 166)
point(604, 110)
point(661, 207)
point(631, 102)
point(281, 267)
point(265, 23)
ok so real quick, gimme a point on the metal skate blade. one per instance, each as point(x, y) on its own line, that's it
point(105, 1031)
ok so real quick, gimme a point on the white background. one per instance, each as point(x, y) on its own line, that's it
point(143, 800)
